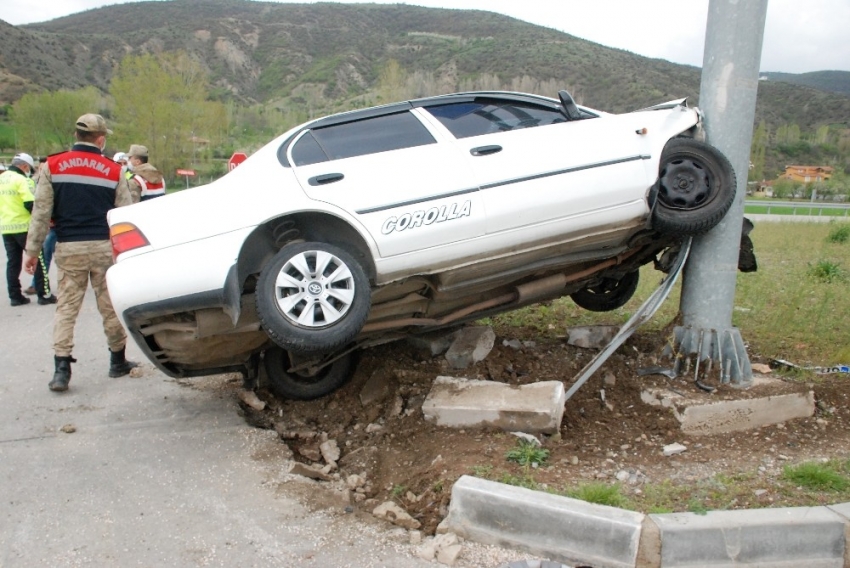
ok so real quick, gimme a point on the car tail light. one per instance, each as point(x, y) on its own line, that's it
point(126, 236)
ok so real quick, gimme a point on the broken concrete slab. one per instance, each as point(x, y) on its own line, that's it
point(592, 336)
point(250, 398)
point(396, 515)
point(463, 403)
point(312, 472)
point(379, 386)
point(435, 342)
point(704, 415)
point(471, 345)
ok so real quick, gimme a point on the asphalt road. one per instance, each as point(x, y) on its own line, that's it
point(156, 473)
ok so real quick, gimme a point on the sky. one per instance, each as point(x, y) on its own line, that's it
point(799, 36)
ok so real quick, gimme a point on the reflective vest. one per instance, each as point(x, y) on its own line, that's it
point(150, 189)
point(84, 184)
point(15, 190)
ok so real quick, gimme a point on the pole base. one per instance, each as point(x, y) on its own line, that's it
point(712, 355)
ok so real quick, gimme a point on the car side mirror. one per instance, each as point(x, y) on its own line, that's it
point(569, 106)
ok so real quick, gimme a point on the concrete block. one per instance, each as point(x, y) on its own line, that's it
point(435, 342)
point(704, 416)
point(783, 538)
point(462, 403)
point(472, 344)
point(551, 526)
point(843, 509)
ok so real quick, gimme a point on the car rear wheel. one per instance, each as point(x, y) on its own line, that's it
point(608, 294)
point(312, 297)
point(695, 188)
point(306, 384)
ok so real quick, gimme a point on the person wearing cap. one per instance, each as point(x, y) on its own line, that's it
point(77, 189)
point(16, 205)
point(146, 181)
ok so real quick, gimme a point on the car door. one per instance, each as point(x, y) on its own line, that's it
point(391, 173)
point(543, 177)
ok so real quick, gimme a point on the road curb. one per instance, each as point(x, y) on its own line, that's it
point(577, 532)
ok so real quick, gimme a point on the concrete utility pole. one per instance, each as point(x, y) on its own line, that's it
point(730, 70)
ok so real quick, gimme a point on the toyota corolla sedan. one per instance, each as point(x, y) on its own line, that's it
point(369, 226)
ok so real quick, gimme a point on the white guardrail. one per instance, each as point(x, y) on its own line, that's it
point(807, 208)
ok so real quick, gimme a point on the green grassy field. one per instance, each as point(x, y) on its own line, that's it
point(795, 307)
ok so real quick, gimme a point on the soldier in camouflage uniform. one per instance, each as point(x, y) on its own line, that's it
point(146, 182)
point(77, 188)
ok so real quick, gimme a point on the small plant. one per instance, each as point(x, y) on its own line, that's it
point(826, 271)
point(697, 507)
point(821, 477)
point(398, 491)
point(839, 233)
point(482, 471)
point(524, 481)
point(599, 493)
point(438, 487)
point(527, 453)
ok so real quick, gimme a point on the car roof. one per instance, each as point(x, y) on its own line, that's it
point(355, 115)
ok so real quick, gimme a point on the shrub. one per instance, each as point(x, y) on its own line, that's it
point(826, 271)
point(840, 233)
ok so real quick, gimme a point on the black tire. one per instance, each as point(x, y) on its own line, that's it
point(305, 386)
point(696, 187)
point(312, 297)
point(609, 294)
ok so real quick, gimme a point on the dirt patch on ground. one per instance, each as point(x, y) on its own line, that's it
point(620, 439)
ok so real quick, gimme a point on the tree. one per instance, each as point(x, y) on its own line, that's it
point(392, 82)
point(161, 102)
point(783, 188)
point(44, 122)
point(757, 153)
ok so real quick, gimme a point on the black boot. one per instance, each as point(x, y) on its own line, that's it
point(62, 376)
point(118, 365)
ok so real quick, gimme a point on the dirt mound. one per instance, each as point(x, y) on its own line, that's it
point(610, 437)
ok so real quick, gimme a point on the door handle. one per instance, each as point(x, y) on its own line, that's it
point(485, 150)
point(325, 179)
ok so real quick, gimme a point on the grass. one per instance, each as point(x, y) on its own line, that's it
point(828, 476)
point(808, 484)
point(838, 233)
point(826, 271)
point(527, 454)
point(794, 307)
point(599, 493)
point(780, 311)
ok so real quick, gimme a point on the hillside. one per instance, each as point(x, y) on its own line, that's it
point(325, 57)
point(829, 81)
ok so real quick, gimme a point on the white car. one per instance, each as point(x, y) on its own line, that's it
point(371, 225)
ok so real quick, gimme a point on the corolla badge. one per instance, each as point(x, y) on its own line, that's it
point(426, 217)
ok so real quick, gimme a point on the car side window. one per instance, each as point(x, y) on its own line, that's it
point(486, 116)
point(368, 136)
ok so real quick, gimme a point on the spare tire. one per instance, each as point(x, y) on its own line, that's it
point(696, 187)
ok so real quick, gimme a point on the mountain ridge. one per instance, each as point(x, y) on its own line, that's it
point(329, 57)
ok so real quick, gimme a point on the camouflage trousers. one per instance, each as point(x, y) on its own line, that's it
point(77, 263)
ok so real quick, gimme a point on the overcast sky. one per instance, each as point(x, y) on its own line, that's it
point(800, 35)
